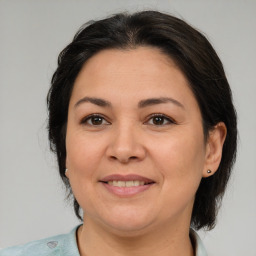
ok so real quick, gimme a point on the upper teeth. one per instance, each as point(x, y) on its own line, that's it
point(130, 183)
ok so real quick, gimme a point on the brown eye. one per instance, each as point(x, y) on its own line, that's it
point(94, 120)
point(159, 120)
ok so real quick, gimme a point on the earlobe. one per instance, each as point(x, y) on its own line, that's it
point(214, 149)
point(66, 170)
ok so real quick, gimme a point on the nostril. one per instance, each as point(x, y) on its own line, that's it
point(123, 159)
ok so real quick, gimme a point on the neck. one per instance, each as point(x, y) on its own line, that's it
point(96, 240)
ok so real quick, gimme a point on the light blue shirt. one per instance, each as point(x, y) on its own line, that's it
point(65, 245)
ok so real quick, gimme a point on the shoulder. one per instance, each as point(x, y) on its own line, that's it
point(60, 245)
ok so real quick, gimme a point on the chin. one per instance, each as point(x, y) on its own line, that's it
point(129, 229)
point(128, 223)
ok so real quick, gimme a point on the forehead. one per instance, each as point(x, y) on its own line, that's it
point(144, 71)
point(139, 60)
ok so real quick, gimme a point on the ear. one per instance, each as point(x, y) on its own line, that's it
point(67, 171)
point(214, 146)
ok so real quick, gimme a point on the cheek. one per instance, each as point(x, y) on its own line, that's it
point(82, 152)
point(83, 156)
point(83, 159)
point(180, 164)
point(180, 159)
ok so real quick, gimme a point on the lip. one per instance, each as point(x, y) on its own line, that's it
point(126, 178)
point(127, 191)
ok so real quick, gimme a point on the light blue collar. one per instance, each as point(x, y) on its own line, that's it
point(66, 245)
point(197, 243)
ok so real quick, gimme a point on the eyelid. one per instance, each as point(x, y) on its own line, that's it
point(86, 118)
point(169, 119)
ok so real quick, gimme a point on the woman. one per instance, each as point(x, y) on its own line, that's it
point(142, 122)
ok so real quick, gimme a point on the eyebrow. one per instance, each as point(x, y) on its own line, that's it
point(95, 101)
point(142, 104)
point(161, 100)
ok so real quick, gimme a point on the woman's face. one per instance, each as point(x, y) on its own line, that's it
point(135, 144)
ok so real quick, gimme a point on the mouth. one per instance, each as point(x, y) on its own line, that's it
point(126, 185)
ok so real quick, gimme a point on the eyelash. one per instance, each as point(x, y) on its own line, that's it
point(166, 118)
point(87, 118)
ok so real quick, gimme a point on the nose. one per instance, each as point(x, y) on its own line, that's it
point(126, 145)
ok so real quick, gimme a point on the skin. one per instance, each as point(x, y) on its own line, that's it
point(170, 150)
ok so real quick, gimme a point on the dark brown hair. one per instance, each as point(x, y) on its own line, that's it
point(193, 54)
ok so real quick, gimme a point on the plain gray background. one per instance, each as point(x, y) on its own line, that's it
point(32, 33)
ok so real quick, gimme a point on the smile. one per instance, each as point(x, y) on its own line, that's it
point(130, 183)
point(126, 185)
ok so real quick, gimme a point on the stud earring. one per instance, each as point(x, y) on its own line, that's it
point(66, 170)
point(209, 171)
